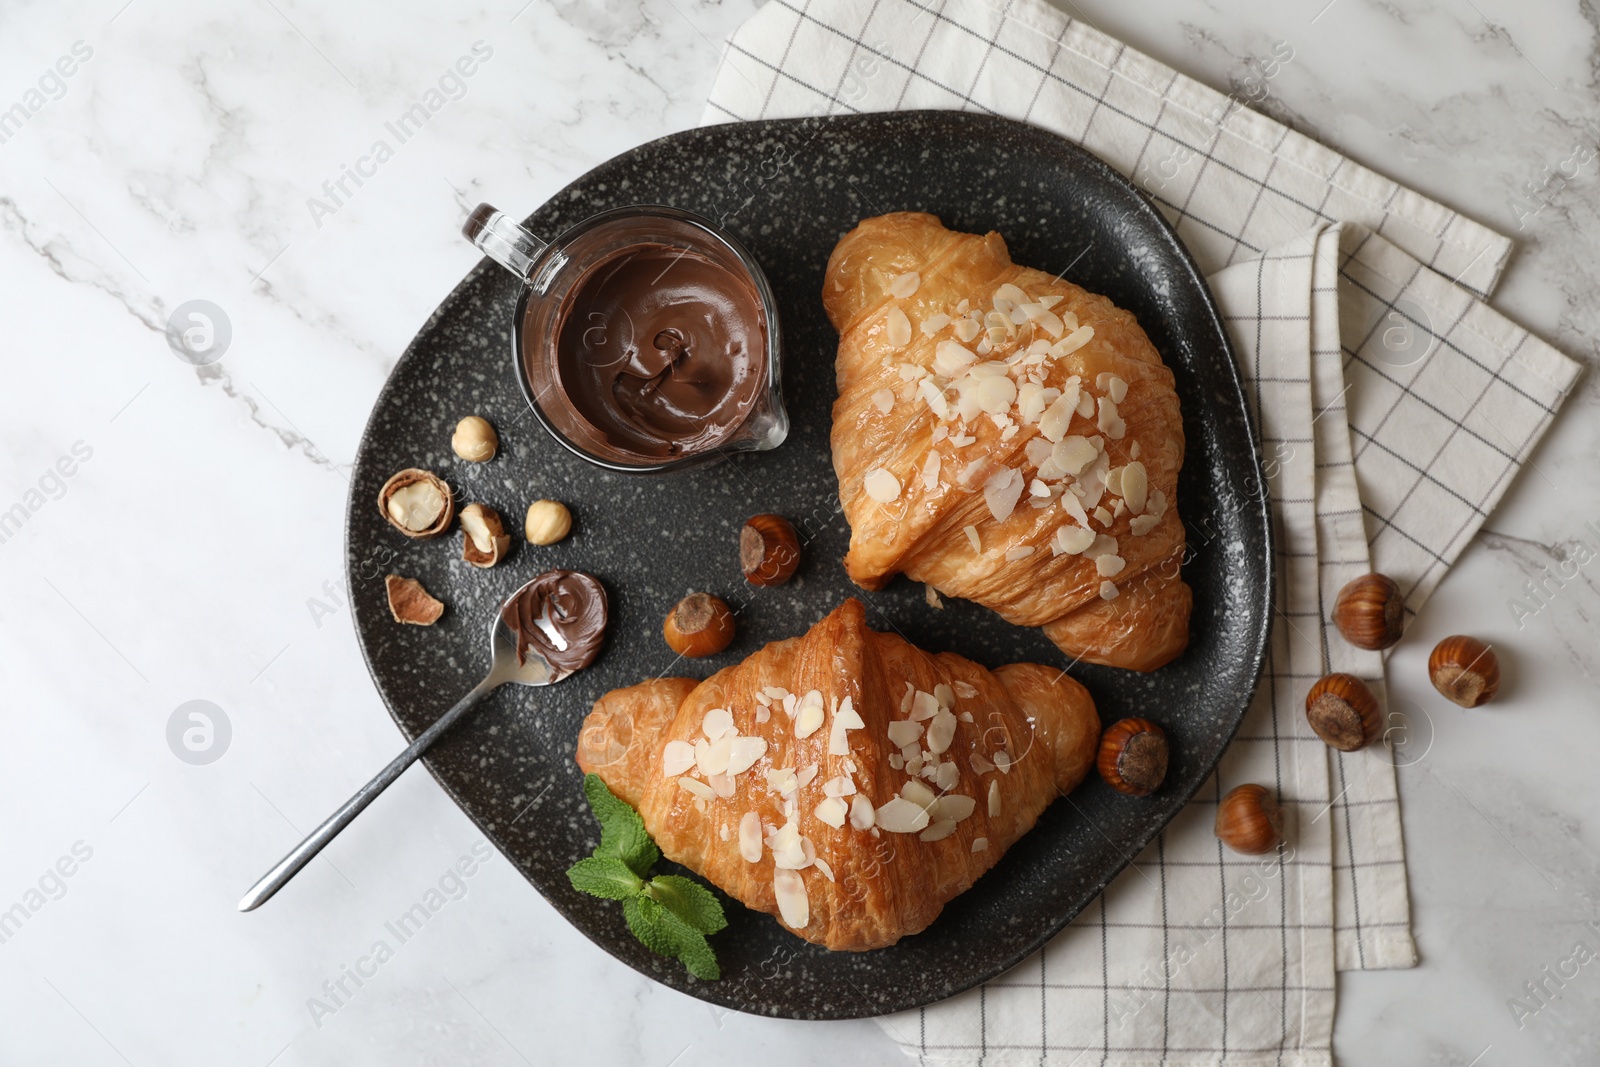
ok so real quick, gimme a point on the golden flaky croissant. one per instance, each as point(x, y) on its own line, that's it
point(1008, 438)
point(845, 781)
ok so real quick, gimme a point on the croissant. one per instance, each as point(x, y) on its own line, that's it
point(845, 781)
point(1008, 438)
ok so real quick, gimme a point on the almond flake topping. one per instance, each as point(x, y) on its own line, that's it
point(1001, 492)
point(934, 323)
point(1021, 552)
point(897, 328)
point(939, 830)
point(808, 720)
point(718, 721)
point(972, 538)
point(1135, 486)
point(793, 904)
point(980, 844)
point(712, 758)
point(1143, 524)
point(1109, 566)
point(941, 731)
point(832, 811)
point(883, 400)
point(744, 753)
point(901, 816)
point(1002, 761)
point(696, 788)
point(904, 285)
point(965, 690)
point(845, 719)
point(676, 758)
point(750, 837)
point(918, 794)
point(881, 486)
point(924, 706)
point(947, 775)
point(1108, 591)
point(862, 813)
point(841, 786)
point(994, 798)
point(904, 732)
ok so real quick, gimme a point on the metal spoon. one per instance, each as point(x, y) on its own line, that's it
point(533, 670)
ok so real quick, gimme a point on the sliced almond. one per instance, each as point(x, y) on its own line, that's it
point(900, 287)
point(862, 813)
point(696, 788)
point(676, 757)
point(994, 798)
point(750, 837)
point(900, 816)
point(743, 753)
point(904, 732)
point(938, 831)
point(918, 794)
point(793, 904)
point(807, 721)
point(897, 328)
point(881, 485)
point(718, 721)
point(832, 811)
point(941, 731)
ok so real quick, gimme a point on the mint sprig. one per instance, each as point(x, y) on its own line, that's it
point(669, 914)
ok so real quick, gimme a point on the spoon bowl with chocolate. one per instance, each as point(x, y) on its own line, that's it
point(646, 339)
point(547, 631)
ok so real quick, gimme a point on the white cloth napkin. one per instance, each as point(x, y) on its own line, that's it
point(1394, 408)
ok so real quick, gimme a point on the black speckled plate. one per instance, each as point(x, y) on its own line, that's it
point(789, 190)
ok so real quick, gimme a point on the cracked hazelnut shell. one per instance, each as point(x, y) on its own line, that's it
point(417, 503)
point(1343, 712)
point(484, 541)
point(410, 603)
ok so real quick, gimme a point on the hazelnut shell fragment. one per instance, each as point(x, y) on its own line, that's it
point(410, 603)
point(1464, 670)
point(484, 541)
point(769, 550)
point(1370, 612)
point(417, 503)
point(698, 625)
point(547, 522)
point(475, 439)
point(1133, 757)
point(1249, 820)
point(1343, 712)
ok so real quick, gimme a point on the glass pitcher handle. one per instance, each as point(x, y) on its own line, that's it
point(501, 238)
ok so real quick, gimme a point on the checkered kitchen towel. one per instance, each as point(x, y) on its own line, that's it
point(1394, 407)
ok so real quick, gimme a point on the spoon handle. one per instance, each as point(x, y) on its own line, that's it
point(303, 853)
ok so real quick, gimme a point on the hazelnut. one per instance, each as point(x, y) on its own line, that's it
point(1370, 612)
point(1133, 757)
point(417, 503)
point(548, 521)
point(1343, 712)
point(1249, 820)
point(484, 541)
point(410, 603)
point(698, 625)
point(769, 550)
point(1465, 670)
point(475, 439)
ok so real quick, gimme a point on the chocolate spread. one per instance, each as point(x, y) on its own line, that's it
point(662, 351)
point(561, 616)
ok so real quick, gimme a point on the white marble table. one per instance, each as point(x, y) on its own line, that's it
point(194, 551)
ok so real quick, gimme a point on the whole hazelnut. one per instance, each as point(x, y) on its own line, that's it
point(1465, 670)
point(548, 521)
point(484, 541)
point(1343, 712)
point(1370, 612)
point(417, 503)
point(698, 625)
point(475, 439)
point(1249, 820)
point(1133, 757)
point(769, 550)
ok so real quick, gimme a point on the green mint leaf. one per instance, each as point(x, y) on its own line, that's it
point(622, 832)
point(692, 949)
point(605, 876)
point(690, 901)
point(644, 920)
